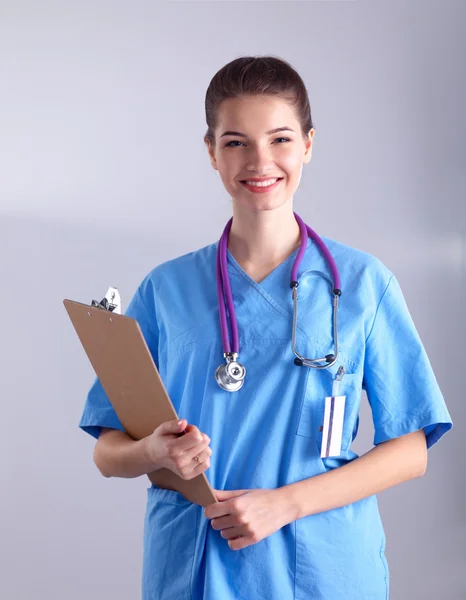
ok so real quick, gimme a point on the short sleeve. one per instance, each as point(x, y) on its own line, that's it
point(398, 378)
point(98, 411)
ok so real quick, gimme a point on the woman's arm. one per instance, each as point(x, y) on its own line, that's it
point(384, 466)
point(118, 455)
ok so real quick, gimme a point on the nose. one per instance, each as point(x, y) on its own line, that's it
point(259, 160)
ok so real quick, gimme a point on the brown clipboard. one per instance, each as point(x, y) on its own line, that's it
point(122, 361)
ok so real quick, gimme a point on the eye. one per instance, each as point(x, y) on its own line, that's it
point(228, 145)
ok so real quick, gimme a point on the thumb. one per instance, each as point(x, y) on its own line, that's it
point(180, 425)
point(174, 426)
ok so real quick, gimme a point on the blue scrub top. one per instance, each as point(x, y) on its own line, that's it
point(268, 434)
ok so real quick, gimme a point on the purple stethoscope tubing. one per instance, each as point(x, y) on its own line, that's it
point(225, 295)
point(322, 247)
point(223, 287)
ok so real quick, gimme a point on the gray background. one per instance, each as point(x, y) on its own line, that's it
point(104, 174)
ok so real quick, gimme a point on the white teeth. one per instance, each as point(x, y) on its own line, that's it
point(262, 183)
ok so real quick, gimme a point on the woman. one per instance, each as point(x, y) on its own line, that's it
point(297, 516)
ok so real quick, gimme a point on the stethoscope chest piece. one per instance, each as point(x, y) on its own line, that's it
point(230, 375)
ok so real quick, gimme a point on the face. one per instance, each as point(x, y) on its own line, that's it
point(258, 153)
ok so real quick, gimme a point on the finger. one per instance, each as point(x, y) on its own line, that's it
point(201, 465)
point(202, 447)
point(202, 452)
point(190, 441)
point(223, 495)
point(239, 543)
point(225, 522)
point(194, 433)
point(193, 429)
point(200, 468)
point(231, 533)
point(197, 431)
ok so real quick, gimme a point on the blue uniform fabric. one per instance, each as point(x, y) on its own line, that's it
point(267, 434)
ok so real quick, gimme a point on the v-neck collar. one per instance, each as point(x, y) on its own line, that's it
point(287, 262)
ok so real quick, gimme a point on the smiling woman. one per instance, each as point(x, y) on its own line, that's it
point(297, 516)
point(250, 152)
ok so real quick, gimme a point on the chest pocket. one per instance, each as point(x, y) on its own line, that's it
point(318, 385)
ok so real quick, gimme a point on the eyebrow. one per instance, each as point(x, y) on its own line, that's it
point(238, 133)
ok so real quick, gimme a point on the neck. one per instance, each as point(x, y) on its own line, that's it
point(264, 237)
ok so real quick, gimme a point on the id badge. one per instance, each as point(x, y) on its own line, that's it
point(333, 426)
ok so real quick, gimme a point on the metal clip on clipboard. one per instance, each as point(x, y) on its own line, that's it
point(111, 301)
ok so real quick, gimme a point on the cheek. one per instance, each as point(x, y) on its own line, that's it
point(228, 184)
point(225, 173)
point(228, 169)
point(292, 165)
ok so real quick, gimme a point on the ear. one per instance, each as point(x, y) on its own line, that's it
point(308, 146)
point(211, 151)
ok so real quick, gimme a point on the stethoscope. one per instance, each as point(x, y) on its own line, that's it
point(230, 375)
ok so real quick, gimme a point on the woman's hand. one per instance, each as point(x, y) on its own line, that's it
point(168, 447)
point(245, 517)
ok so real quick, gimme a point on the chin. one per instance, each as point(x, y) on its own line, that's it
point(260, 204)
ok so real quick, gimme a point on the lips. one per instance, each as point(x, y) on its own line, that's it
point(261, 189)
point(259, 179)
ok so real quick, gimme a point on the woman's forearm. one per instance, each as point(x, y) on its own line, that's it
point(118, 455)
point(384, 466)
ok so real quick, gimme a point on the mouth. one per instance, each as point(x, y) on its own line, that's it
point(260, 188)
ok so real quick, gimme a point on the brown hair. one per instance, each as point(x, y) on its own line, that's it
point(255, 75)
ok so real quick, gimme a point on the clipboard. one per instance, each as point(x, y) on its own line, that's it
point(122, 361)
